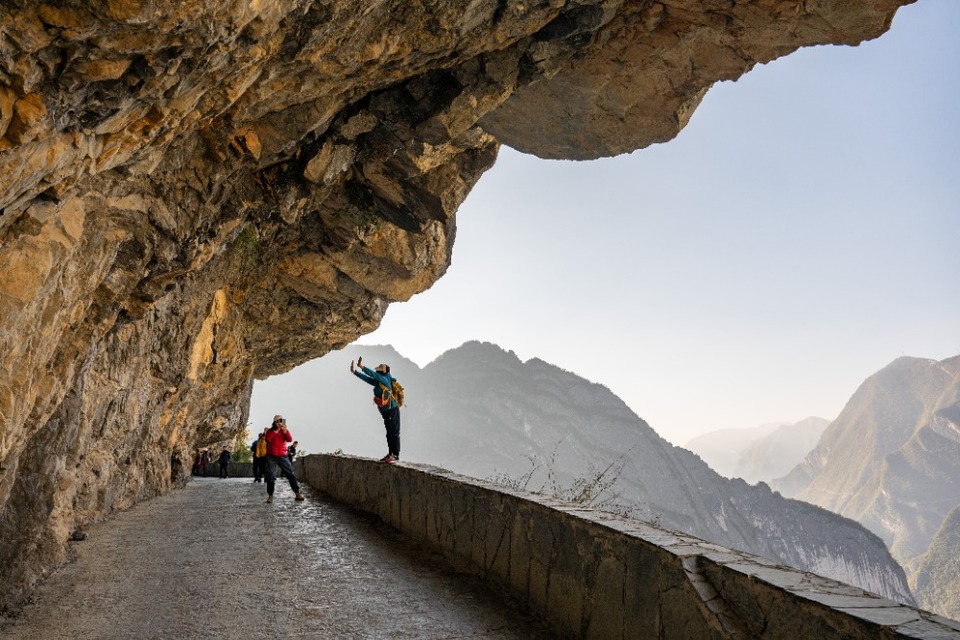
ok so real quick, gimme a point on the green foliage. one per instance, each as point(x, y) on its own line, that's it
point(246, 247)
point(241, 447)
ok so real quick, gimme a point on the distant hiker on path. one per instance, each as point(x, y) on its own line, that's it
point(388, 396)
point(292, 451)
point(224, 461)
point(195, 469)
point(277, 438)
point(259, 449)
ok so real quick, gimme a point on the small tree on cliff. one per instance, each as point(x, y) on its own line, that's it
point(241, 447)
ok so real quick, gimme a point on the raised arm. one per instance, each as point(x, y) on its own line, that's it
point(365, 375)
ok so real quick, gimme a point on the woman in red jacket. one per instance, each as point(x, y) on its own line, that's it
point(277, 438)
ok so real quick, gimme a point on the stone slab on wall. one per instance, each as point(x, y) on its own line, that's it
point(597, 575)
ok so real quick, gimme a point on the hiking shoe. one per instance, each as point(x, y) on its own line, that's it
point(269, 499)
point(388, 458)
point(299, 497)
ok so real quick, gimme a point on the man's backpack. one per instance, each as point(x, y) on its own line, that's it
point(261, 448)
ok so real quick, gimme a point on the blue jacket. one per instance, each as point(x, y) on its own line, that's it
point(383, 398)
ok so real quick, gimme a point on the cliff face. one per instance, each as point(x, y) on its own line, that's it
point(200, 193)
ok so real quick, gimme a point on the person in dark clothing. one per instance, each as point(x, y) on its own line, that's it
point(277, 438)
point(387, 404)
point(292, 451)
point(195, 469)
point(224, 460)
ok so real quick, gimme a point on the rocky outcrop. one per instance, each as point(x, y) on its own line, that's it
point(936, 573)
point(201, 193)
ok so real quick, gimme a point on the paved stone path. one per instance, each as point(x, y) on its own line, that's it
point(214, 561)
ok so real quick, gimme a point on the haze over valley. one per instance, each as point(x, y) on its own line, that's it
point(758, 453)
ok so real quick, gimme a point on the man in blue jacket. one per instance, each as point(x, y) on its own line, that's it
point(383, 397)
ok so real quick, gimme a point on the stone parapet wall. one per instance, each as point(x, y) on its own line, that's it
point(234, 470)
point(245, 469)
point(597, 575)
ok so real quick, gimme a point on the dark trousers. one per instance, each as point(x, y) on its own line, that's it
point(259, 468)
point(391, 421)
point(223, 469)
point(286, 469)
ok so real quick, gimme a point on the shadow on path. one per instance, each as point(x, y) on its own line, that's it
point(214, 561)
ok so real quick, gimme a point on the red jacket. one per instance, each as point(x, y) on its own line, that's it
point(277, 442)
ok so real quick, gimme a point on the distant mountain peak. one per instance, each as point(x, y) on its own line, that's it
point(478, 349)
point(760, 453)
point(891, 461)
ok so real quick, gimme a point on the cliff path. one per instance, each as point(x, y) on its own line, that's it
point(214, 561)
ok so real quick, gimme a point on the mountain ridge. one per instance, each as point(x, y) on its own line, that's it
point(891, 461)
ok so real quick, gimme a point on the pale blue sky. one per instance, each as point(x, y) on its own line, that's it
point(797, 236)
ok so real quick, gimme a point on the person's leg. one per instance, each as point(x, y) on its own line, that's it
point(391, 421)
point(270, 474)
point(287, 470)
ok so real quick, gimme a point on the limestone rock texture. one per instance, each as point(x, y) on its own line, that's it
point(197, 194)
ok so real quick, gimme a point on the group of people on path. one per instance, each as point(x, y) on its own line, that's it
point(201, 458)
point(259, 450)
point(272, 453)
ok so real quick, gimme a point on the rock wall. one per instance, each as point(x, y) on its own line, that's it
point(597, 575)
point(197, 194)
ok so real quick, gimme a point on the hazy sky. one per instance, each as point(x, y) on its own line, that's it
point(800, 234)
